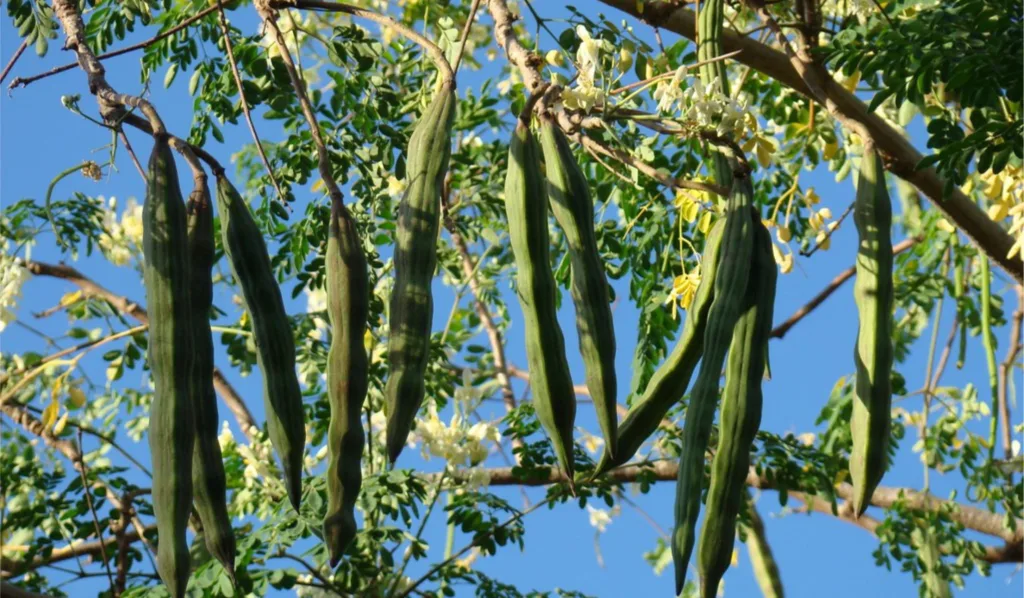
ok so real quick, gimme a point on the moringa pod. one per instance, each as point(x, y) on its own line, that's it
point(669, 382)
point(526, 209)
point(412, 304)
point(347, 377)
point(873, 354)
point(741, 414)
point(731, 281)
point(275, 346)
point(209, 484)
point(171, 360)
point(573, 209)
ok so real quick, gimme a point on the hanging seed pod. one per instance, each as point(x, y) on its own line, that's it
point(209, 484)
point(171, 361)
point(347, 377)
point(526, 208)
point(731, 282)
point(412, 304)
point(872, 292)
point(669, 382)
point(275, 346)
point(741, 415)
point(573, 209)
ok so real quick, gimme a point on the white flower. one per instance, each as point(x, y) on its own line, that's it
point(669, 91)
point(121, 240)
point(589, 54)
point(599, 518)
point(225, 439)
point(316, 301)
point(12, 276)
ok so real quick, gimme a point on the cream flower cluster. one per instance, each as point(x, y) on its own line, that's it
point(457, 443)
point(12, 277)
point(121, 239)
point(586, 94)
point(704, 105)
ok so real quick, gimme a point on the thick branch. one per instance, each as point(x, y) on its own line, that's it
point(970, 517)
point(126, 306)
point(902, 156)
point(95, 548)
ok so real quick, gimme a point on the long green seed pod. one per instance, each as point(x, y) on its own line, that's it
point(669, 382)
point(872, 292)
point(275, 346)
point(526, 208)
point(709, 32)
point(171, 360)
point(741, 415)
point(730, 289)
point(208, 481)
point(347, 377)
point(762, 560)
point(569, 195)
point(412, 304)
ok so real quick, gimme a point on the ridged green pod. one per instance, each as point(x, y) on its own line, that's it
point(209, 485)
point(741, 415)
point(275, 346)
point(412, 304)
point(731, 280)
point(762, 561)
point(526, 208)
point(569, 195)
point(709, 32)
point(171, 360)
point(873, 294)
point(347, 377)
point(669, 382)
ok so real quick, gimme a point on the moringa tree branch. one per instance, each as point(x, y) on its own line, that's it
point(902, 156)
point(126, 306)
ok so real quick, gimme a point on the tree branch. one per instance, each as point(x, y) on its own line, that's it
point(1012, 349)
point(902, 156)
point(14, 58)
point(986, 522)
point(781, 330)
point(22, 82)
point(126, 306)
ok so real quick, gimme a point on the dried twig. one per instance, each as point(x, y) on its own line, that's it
point(83, 472)
point(1012, 350)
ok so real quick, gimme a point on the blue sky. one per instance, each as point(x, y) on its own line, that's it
point(40, 138)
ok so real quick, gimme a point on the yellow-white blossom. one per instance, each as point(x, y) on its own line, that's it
point(12, 276)
point(669, 91)
point(316, 302)
point(122, 239)
point(599, 518)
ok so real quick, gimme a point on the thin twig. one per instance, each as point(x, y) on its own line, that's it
point(23, 81)
point(131, 152)
point(781, 330)
point(223, 21)
point(828, 232)
point(465, 35)
point(10, 63)
point(470, 546)
point(669, 75)
point(436, 54)
point(419, 531)
point(1004, 373)
point(83, 471)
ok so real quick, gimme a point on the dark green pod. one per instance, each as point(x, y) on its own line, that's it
point(741, 415)
point(171, 361)
point(412, 304)
point(731, 281)
point(275, 346)
point(669, 382)
point(526, 208)
point(872, 292)
point(710, 23)
point(569, 194)
point(208, 481)
point(347, 377)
